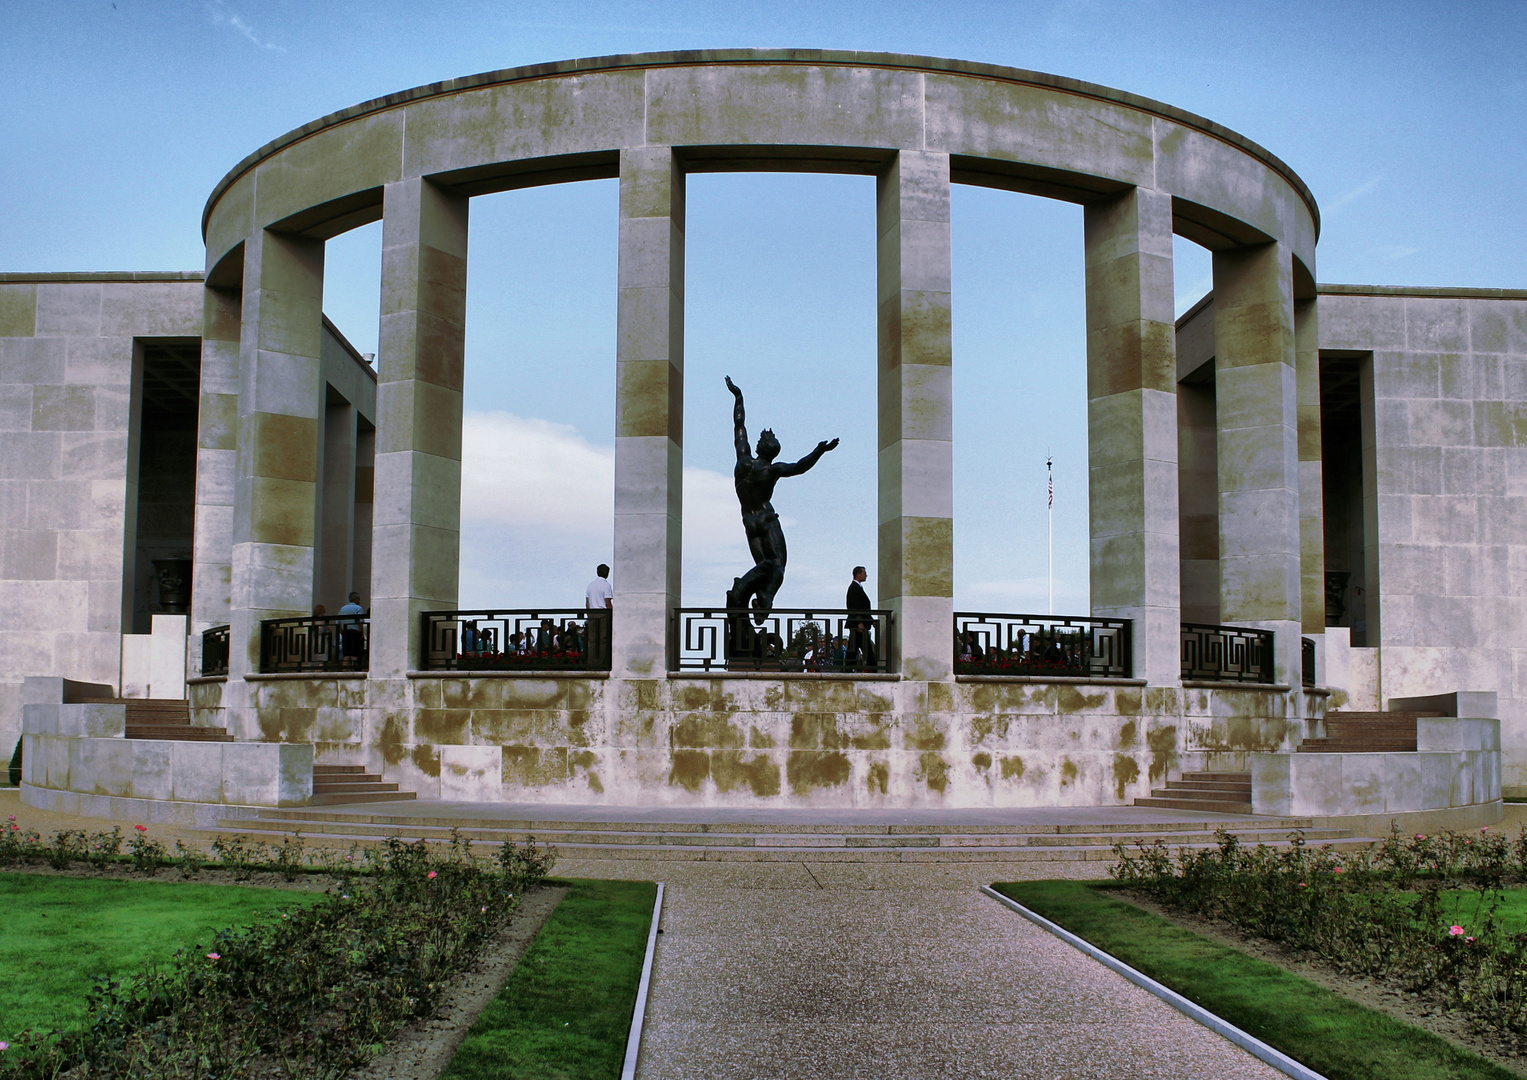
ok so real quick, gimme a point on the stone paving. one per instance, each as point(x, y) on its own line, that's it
point(857, 970)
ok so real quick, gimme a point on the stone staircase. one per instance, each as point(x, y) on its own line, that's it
point(1366, 733)
point(1212, 792)
point(733, 841)
point(336, 784)
point(162, 718)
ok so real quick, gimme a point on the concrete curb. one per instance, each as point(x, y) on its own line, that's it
point(639, 1014)
point(1250, 1043)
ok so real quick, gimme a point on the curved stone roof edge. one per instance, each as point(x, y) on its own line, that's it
point(836, 57)
point(1439, 292)
point(59, 277)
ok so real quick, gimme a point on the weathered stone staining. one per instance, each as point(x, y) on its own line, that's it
point(1277, 434)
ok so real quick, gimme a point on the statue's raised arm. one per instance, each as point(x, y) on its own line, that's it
point(795, 468)
point(739, 423)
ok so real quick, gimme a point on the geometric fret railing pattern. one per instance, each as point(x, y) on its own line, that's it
point(315, 643)
point(214, 650)
point(521, 639)
point(1227, 653)
point(987, 643)
point(829, 640)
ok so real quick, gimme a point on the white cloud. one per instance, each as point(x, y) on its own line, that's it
point(533, 484)
point(227, 18)
point(1365, 188)
point(523, 471)
point(1398, 251)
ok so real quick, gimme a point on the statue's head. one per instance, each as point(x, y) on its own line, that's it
point(768, 445)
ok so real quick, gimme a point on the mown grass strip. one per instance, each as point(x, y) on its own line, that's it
point(59, 932)
point(566, 1011)
point(1327, 1032)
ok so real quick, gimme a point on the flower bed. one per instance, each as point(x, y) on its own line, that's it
point(312, 993)
point(1422, 912)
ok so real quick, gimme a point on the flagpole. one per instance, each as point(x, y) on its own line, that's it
point(1050, 478)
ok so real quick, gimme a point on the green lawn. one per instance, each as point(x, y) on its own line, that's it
point(57, 932)
point(565, 1013)
point(1331, 1034)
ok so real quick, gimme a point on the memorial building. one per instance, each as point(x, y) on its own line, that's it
point(1308, 503)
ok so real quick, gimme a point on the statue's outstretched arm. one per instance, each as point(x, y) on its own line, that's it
point(795, 468)
point(739, 424)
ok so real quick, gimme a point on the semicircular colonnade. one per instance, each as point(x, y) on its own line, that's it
point(1142, 171)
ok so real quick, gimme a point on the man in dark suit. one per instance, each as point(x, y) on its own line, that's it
point(861, 640)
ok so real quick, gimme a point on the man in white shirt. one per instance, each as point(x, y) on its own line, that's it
point(352, 640)
point(599, 597)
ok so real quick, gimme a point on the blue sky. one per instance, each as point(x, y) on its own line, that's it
point(1407, 121)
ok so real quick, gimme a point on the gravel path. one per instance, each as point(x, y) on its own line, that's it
point(854, 980)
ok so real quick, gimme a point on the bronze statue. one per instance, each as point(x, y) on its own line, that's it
point(755, 478)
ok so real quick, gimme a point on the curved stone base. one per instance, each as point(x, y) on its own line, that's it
point(138, 811)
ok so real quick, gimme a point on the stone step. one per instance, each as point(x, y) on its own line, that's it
point(1208, 786)
point(1357, 746)
point(1342, 714)
point(149, 710)
point(904, 853)
point(177, 733)
point(340, 770)
point(444, 819)
point(338, 798)
point(1167, 802)
point(340, 787)
point(330, 829)
point(1226, 777)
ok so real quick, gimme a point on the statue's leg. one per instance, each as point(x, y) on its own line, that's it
point(763, 601)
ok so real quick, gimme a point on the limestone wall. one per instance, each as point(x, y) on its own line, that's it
point(67, 344)
point(1456, 764)
point(767, 741)
point(1448, 490)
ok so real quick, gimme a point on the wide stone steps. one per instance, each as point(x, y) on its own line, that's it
point(178, 732)
point(1366, 733)
point(162, 718)
point(337, 784)
point(1213, 792)
point(776, 842)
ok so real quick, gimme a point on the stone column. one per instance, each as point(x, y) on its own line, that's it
point(416, 530)
point(217, 460)
point(1312, 528)
point(1256, 396)
point(1132, 426)
point(336, 516)
point(280, 398)
point(649, 409)
point(916, 464)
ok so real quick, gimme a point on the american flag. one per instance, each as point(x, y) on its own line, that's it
point(1051, 475)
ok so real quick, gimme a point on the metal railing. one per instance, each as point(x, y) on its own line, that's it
point(513, 640)
point(214, 650)
point(1307, 661)
point(1227, 653)
point(824, 640)
point(320, 643)
point(990, 643)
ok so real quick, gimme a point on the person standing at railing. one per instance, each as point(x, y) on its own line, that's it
point(352, 641)
point(600, 596)
point(861, 637)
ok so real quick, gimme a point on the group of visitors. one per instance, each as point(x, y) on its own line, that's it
point(1026, 647)
point(352, 638)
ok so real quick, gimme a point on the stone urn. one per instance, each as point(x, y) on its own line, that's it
point(174, 578)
